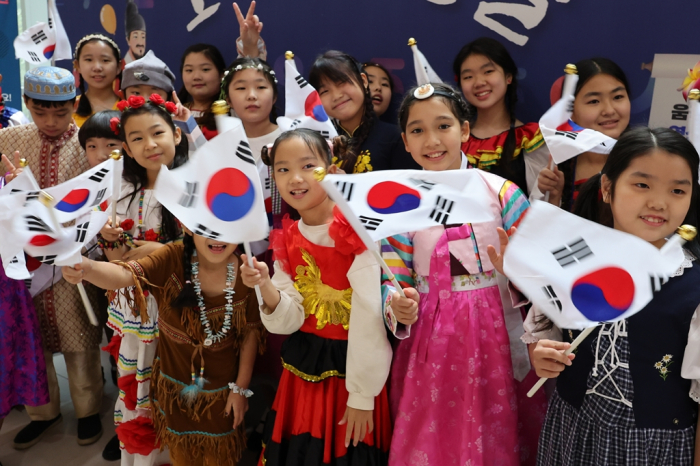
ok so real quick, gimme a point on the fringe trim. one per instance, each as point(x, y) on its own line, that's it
point(260, 333)
point(133, 295)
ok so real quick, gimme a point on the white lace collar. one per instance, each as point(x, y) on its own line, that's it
point(686, 264)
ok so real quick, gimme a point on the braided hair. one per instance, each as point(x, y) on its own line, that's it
point(187, 297)
point(84, 108)
point(341, 68)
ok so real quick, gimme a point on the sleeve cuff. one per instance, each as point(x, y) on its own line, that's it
point(359, 401)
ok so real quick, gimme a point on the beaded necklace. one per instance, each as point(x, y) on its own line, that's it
point(230, 279)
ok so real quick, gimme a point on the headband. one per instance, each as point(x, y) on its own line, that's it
point(90, 37)
point(427, 90)
point(136, 101)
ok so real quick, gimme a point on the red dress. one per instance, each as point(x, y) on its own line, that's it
point(302, 428)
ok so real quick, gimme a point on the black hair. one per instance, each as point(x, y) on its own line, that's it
point(137, 175)
point(98, 126)
point(498, 54)
point(381, 67)
point(448, 94)
point(214, 55)
point(248, 62)
point(84, 107)
point(587, 69)
point(342, 68)
point(187, 297)
point(313, 140)
point(48, 103)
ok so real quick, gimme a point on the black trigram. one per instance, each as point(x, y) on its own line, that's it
point(570, 106)
point(325, 134)
point(301, 81)
point(553, 298)
point(427, 185)
point(100, 175)
point(370, 223)
point(441, 211)
point(190, 194)
point(50, 22)
point(46, 259)
point(100, 196)
point(244, 153)
point(28, 282)
point(345, 188)
point(295, 123)
point(657, 281)
point(34, 57)
point(15, 260)
point(268, 183)
point(572, 253)
point(31, 195)
point(568, 134)
point(201, 230)
point(81, 232)
point(39, 37)
point(34, 223)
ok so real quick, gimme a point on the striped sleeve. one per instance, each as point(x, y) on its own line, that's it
point(397, 252)
point(514, 204)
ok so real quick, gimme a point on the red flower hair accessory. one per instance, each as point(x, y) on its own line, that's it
point(122, 105)
point(156, 99)
point(136, 101)
point(171, 107)
point(114, 125)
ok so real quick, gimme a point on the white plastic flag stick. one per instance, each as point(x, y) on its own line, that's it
point(337, 197)
point(46, 199)
point(694, 118)
point(246, 246)
point(683, 233)
point(551, 167)
point(116, 184)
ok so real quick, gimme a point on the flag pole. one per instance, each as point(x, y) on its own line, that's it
point(116, 155)
point(567, 88)
point(337, 197)
point(693, 131)
point(258, 293)
point(46, 199)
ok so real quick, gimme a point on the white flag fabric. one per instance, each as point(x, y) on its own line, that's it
point(424, 72)
point(303, 105)
point(694, 123)
point(412, 200)
point(37, 44)
point(23, 182)
point(217, 193)
point(42, 275)
point(580, 273)
point(565, 139)
point(63, 49)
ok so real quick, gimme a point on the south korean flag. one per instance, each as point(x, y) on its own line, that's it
point(565, 139)
point(303, 105)
point(217, 193)
point(580, 273)
point(412, 200)
point(36, 45)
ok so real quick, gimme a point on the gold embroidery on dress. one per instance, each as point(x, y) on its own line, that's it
point(325, 302)
point(363, 162)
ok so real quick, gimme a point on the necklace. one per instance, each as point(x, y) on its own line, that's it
point(230, 280)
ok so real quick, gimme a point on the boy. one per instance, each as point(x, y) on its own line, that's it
point(51, 147)
point(146, 76)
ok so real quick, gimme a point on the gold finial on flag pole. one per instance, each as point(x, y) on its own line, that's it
point(570, 69)
point(220, 107)
point(319, 173)
point(694, 94)
point(116, 154)
point(288, 55)
point(688, 232)
point(23, 162)
point(412, 42)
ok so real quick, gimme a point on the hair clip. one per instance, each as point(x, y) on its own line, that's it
point(114, 125)
point(424, 91)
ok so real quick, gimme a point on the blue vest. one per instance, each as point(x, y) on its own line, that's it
point(659, 329)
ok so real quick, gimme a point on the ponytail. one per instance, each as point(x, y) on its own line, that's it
point(187, 297)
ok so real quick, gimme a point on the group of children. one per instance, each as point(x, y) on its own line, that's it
point(368, 377)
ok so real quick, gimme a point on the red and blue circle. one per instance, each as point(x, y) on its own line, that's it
point(389, 197)
point(74, 200)
point(571, 127)
point(314, 108)
point(48, 51)
point(230, 194)
point(603, 295)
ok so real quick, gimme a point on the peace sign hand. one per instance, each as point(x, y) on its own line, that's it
point(250, 29)
point(14, 169)
point(183, 113)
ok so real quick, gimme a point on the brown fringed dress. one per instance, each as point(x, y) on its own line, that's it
point(200, 430)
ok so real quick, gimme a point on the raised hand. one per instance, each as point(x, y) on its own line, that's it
point(250, 29)
point(13, 168)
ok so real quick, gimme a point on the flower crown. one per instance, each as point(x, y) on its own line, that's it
point(258, 67)
point(95, 36)
point(137, 101)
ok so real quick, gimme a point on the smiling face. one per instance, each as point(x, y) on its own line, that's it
point(251, 96)
point(652, 196)
point(602, 104)
point(434, 135)
point(379, 88)
point(137, 44)
point(97, 64)
point(98, 150)
point(344, 101)
point(212, 251)
point(483, 82)
point(202, 79)
point(150, 141)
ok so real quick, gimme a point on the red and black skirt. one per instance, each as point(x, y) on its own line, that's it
point(302, 428)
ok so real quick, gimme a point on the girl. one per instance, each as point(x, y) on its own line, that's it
point(602, 103)
point(381, 87)
point(325, 292)
point(452, 380)
point(96, 60)
point(618, 402)
point(344, 92)
point(149, 140)
point(97, 138)
point(202, 68)
point(200, 426)
point(499, 142)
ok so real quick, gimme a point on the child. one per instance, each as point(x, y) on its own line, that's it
point(146, 76)
point(343, 89)
point(617, 403)
point(325, 294)
point(488, 77)
point(96, 59)
point(186, 281)
point(381, 87)
point(97, 138)
point(452, 380)
point(144, 228)
point(52, 149)
point(602, 103)
point(10, 116)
